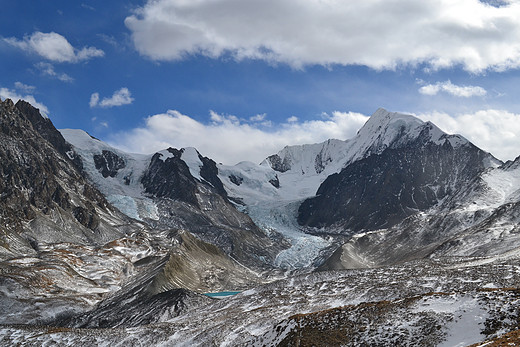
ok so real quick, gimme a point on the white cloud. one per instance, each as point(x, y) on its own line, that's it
point(47, 69)
point(450, 88)
point(24, 87)
point(292, 119)
point(495, 131)
point(258, 117)
point(377, 33)
point(6, 93)
point(227, 139)
point(54, 47)
point(119, 98)
point(94, 100)
point(430, 89)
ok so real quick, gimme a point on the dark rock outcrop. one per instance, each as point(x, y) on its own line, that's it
point(237, 180)
point(47, 130)
point(108, 163)
point(278, 164)
point(275, 182)
point(170, 178)
point(209, 172)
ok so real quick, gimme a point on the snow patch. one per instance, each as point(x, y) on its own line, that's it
point(191, 157)
point(465, 329)
point(165, 154)
point(504, 185)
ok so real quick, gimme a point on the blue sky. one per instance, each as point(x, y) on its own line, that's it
point(241, 79)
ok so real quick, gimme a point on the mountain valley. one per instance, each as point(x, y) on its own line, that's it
point(401, 235)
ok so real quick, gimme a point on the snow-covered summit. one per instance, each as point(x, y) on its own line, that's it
point(383, 129)
point(128, 167)
point(301, 169)
point(94, 153)
point(114, 172)
point(386, 129)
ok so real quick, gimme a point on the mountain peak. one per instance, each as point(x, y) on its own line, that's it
point(382, 119)
point(7, 103)
point(386, 129)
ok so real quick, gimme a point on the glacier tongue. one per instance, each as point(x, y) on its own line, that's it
point(305, 249)
point(275, 209)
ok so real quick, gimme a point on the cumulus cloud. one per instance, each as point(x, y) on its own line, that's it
point(495, 131)
point(54, 47)
point(453, 89)
point(119, 98)
point(228, 139)
point(380, 34)
point(6, 93)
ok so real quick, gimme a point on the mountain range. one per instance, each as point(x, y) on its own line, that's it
point(398, 233)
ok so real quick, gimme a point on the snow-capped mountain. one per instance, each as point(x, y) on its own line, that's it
point(298, 171)
point(408, 166)
point(279, 194)
point(174, 189)
point(64, 247)
point(93, 237)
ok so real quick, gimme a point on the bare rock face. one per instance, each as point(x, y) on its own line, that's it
point(170, 178)
point(47, 130)
point(278, 164)
point(109, 163)
point(40, 179)
point(56, 229)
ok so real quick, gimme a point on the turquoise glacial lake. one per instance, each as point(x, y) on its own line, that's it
point(221, 294)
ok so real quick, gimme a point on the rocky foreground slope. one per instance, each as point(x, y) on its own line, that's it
point(424, 303)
